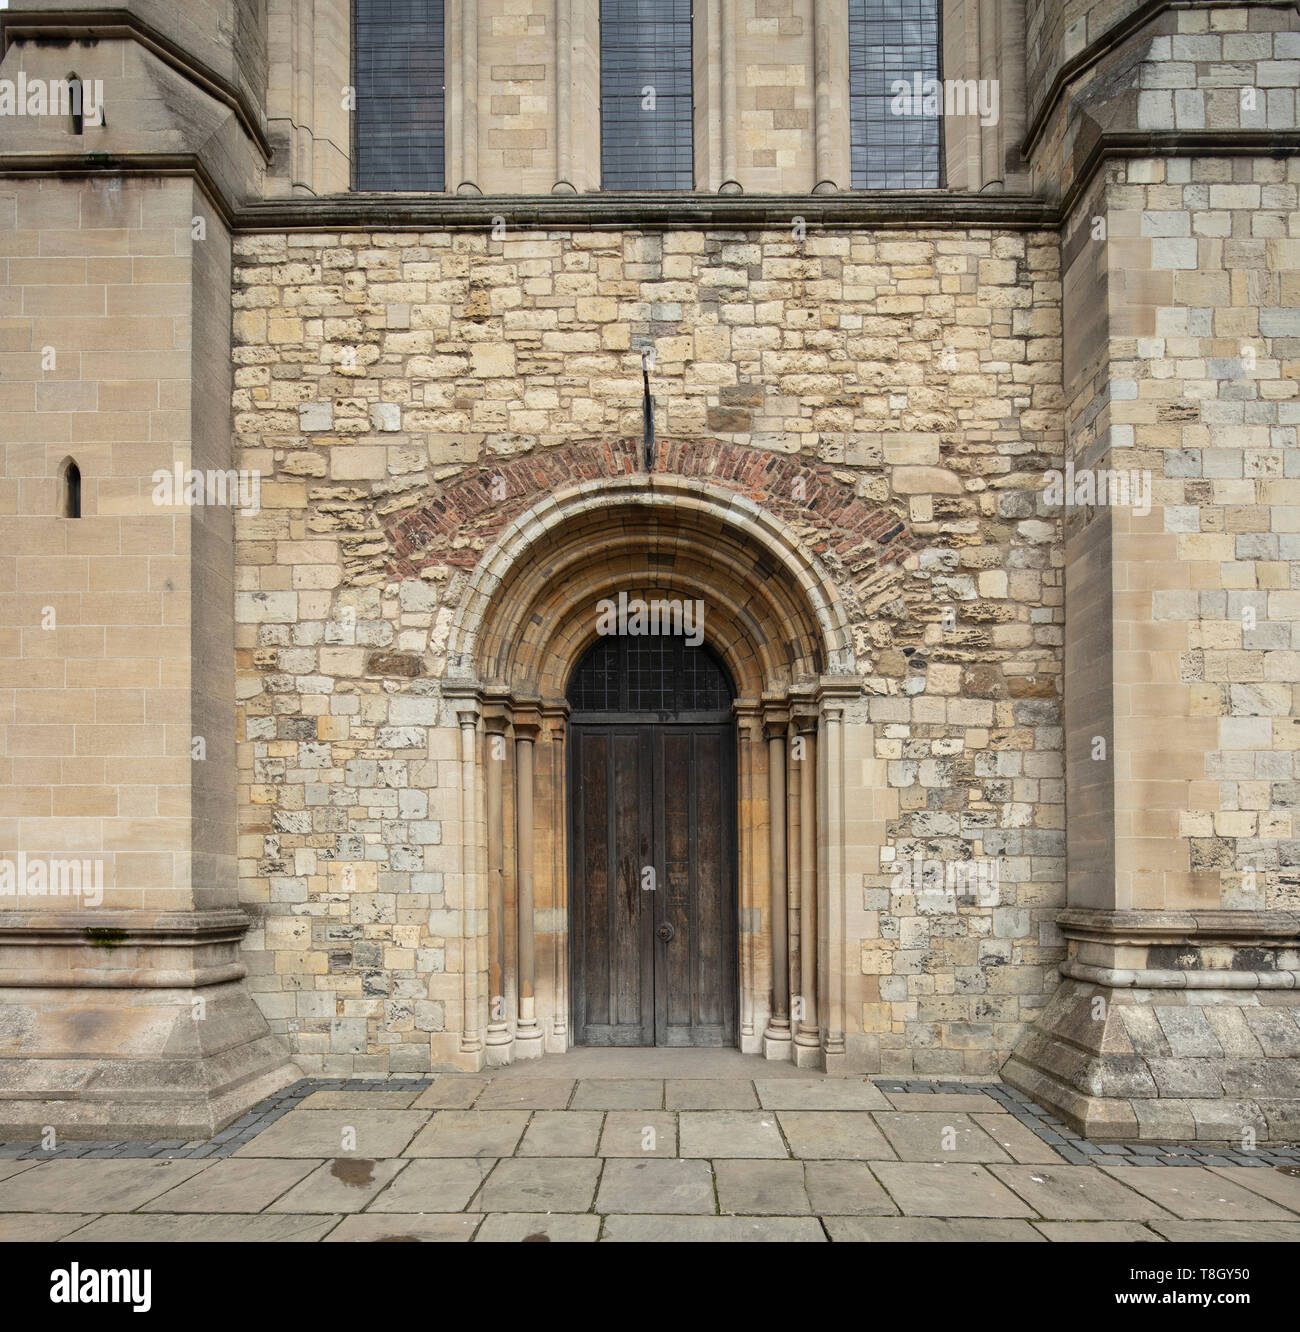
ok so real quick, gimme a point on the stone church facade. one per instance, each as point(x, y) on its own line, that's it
point(1013, 780)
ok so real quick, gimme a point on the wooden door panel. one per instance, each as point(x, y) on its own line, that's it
point(613, 980)
point(695, 998)
point(664, 797)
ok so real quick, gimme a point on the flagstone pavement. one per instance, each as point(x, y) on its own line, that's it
point(645, 1146)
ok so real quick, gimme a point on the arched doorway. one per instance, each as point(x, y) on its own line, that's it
point(652, 865)
point(527, 619)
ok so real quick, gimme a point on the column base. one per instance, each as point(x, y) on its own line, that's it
point(777, 1043)
point(529, 1043)
point(1207, 1050)
point(807, 1049)
point(498, 1049)
point(130, 1025)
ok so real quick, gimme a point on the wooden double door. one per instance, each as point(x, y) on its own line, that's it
point(653, 916)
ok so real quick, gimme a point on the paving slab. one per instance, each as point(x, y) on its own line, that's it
point(92, 1186)
point(619, 1094)
point(1097, 1232)
point(927, 1230)
point(345, 1184)
point(1280, 1185)
point(1194, 1193)
point(396, 1228)
point(438, 1185)
point(562, 1133)
point(951, 1189)
point(451, 1093)
point(376, 1134)
point(713, 1230)
point(200, 1228)
point(710, 1094)
point(1077, 1193)
point(233, 1185)
point(537, 1228)
point(636, 1187)
point(34, 1228)
point(946, 1136)
point(1019, 1142)
point(715, 1133)
point(366, 1099)
point(639, 1133)
point(526, 1094)
point(761, 1188)
point(962, 1102)
point(819, 1094)
point(1232, 1232)
point(845, 1188)
point(631, 1062)
point(470, 1133)
point(10, 1168)
point(835, 1135)
point(539, 1184)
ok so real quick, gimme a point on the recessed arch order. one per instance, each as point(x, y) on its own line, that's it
point(530, 609)
point(525, 617)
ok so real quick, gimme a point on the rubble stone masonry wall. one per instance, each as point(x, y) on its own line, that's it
point(386, 381)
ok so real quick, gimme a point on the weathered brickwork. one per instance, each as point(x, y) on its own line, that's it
point(390, 386)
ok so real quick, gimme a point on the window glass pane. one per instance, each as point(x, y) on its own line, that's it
point(649, 673)
point(645, 95)
point(398, 67)
point(893, 40)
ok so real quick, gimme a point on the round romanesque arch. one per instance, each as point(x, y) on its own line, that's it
point(527, 614)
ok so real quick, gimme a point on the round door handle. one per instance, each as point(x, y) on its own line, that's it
point(665, 931)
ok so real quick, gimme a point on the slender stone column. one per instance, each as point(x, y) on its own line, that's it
point(807, 1038)
point(474, 1015)
point(496, 721)
point(776, 1039)
point(749, 739)
point(822, 168)
point(727, 14)
point(831, 875)
point(991, 166)
point(550, 758)
point(528, 1035)
point(793, 882)
point(469, 98)
point(563, 98)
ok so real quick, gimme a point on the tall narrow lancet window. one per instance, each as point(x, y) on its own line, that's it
point(895, 95)
point(399, 122)
point(646, 104)
point(75, 107)
point(70, 489)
